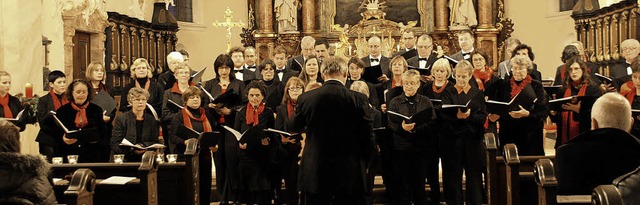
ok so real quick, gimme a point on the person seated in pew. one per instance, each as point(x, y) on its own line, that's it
point(284, 119)
point(47, 145)
point(248, 162)
point(522, 127)
point(10, 104)
point(189, 120)
point(462, 147)
point(24, 177)
point(598, 156)
point(573, 118)
point(142, 74)
point(410, 140)
point(136, 126)
point(629, 91)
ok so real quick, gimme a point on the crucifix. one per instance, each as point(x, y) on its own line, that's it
point(228, 24)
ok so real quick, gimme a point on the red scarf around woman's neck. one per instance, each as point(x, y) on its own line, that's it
point(146, 85)
point(176, 88)
point(291, 108)
point(56, 101)
point(628, 90)
point(515, 88)
point(81, 117)
point(253, 114)
point(571, 127)
point(187, 116)
point(461, 89)
point(482, 76)
point(439, 90)
point(4, 101)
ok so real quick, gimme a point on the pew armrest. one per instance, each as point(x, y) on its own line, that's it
point(490, 141)
point(606, 195)
point(511, 154)
point(148, 162)
point(544, 173)
point(81, 187)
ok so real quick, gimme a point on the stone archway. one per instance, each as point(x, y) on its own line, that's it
point(90, 17)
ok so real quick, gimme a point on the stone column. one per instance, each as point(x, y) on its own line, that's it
point(308, 16)
point(265, 16)
point(442, 16)
point(485, 16)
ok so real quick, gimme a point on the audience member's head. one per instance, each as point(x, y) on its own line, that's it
point(174, 59)
point(611, 110)
point(374, 46)
point(630, 49)
point(9, 137)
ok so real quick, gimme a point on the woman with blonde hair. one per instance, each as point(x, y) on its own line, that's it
point(141, 75)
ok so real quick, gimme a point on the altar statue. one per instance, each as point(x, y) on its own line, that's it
point(462, 13)
point(286, 15)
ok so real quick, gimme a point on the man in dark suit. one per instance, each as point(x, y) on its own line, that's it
point(307, 45)
point(339, 140)
point(240, 71)
point(251, 64)
point(630, 49)
point(283, 73)
point(599, 156)
point(321, 48)
point(167, 79)
point(465, 41)
point(409, 50)
point(426, 57)
point(376, 58)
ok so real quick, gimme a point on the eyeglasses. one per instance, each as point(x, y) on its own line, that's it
point(629, 48)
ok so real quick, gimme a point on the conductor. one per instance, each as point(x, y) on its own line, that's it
point(339, 140)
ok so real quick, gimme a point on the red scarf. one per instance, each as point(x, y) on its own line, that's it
point(146, 85)
point(462, 89)
point(187, 117)
point(176, 88)
point(81, 117)
point(56, 101)
point(291, 108)
point(5, 105)
point(628, 90)
point(435, 88)
point(482, 76)
point(515, 88)
point(570, 127)
point(253, 114)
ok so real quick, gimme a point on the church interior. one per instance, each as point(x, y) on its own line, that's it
point(41, 36)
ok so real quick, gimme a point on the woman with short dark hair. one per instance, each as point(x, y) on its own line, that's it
point(136, 126)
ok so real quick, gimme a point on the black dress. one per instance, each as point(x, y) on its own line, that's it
point(583, 118)
point(462, 147)
point(155, 95)
point(289, 161)
point(94, 150)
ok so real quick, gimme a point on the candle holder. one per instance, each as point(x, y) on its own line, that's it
point(72, 159)
point(118, 158)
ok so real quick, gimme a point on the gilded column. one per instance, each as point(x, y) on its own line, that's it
point(308, 16)
point(485, 16)
point(265, 16)
point(442, 15)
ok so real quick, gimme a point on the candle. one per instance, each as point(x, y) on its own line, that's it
point(28, 90)
point(349, 49)
point(398, 47)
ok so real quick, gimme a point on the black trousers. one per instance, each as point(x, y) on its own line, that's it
point(289, 170)
point(458, 154)
point(409, 177)
point(328, 199)
point(205, 175)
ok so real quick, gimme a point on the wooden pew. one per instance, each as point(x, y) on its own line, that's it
point(495, 165)
point(142, 190)
point(173, 183)
point(81, 188)
point(520, 174)
point(548, 186)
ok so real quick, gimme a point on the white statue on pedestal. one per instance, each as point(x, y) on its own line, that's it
point(462, 13)
point(286, 15)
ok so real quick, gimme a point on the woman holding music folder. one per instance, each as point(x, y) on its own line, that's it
point(461, 148)
point(572, 110)
point(137, 127)
point(194, 121)
point(47, 144)
point(102, 93)
point(410, 140)
point(250, 154)
point(392, 88)
point(172, 102)
point(521, 122)
point(11, 106)
point(225, 81)
point(311, 71)
point(630, 91)
point(85, 124)
point(292, 144)
point(142, 74)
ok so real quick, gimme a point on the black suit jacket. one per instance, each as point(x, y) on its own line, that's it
point(407, 54)
point(339, 140)
point(415, 61)
point(384, 64)
point(124, 127)
point(458, 56)
point(619, 70)
point(595, 158)
point(247, 74)
point(47, 125)
point(296, 63)
point(286, 74)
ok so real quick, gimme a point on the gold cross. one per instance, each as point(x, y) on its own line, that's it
point(228, 24)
